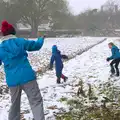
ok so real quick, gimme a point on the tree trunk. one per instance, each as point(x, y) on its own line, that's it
point(34, 30)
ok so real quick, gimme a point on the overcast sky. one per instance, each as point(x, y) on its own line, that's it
point(79, 5)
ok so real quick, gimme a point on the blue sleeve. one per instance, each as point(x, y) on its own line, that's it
point(0, 62)
point(52, 61)
point(113, 53)
point(31, 45)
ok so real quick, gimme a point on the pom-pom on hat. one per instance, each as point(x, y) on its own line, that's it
point(7, 29)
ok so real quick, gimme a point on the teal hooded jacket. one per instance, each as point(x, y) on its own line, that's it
point(115, 53)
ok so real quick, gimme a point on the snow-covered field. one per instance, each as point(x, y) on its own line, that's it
point(91, 67)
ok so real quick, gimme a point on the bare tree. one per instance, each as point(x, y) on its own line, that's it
point(33, 12)
point(36, 11)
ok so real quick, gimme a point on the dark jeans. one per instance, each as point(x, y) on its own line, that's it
point(114, 66)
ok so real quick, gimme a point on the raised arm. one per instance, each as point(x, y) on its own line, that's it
point(0, 62)
point(31, 45)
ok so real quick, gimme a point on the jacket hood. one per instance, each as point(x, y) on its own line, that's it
point(8, 37)
point(55, 50)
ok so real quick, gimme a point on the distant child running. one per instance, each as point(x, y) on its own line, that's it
point(57, 57)
point(115, 59)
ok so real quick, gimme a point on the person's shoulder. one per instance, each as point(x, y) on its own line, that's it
point(19, 40)
point(114, 47)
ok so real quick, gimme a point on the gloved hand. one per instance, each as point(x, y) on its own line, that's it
point(41, 35)
point(44, 36)
point(108, 59)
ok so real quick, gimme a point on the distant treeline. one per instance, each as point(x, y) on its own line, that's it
point(50, 33)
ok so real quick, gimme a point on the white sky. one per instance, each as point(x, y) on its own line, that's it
point(79, 5)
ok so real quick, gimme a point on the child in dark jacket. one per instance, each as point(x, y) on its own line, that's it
point(57, 57)
point(115, 59)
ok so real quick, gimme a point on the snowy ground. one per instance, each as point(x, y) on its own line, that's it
point(91, 67)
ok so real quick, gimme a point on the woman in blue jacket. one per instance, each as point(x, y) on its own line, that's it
point(19, 73)
point(57, 57)
point(115, 59)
